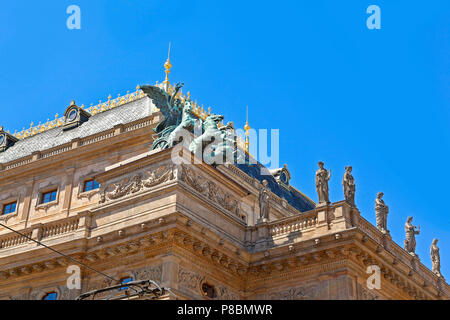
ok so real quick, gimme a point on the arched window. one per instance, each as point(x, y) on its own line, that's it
point(50, 296)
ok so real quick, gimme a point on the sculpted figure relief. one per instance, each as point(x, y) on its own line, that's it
point(264, 206)
point(322, 178)
point(226, 150)
point(381, 211)
point(211, 133)
point(435, 258)
point(213, 144)
point(349, 186)
point(410, 231)
point(170, 107)
point(188, 122)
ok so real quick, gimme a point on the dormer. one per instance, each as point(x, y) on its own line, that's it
point(74, 116)
point(282, 176)
point(6, 140)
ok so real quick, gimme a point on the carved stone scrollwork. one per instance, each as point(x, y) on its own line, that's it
point(46, 206)
point(300, 293)
point(188, 279)
point(149, 273)
point(137, 183)
point(210, 190)
point(88, 194)
point(224, 293)
point(366, 294)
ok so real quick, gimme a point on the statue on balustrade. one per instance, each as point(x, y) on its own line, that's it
point(381, 212)
point(349, 186)
point(264, 202)
point(410, 241)
point(322, 178)
point(435, 258)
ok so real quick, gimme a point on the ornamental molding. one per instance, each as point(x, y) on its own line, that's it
point(88, 194)
point(48, 205)
point(5, 217)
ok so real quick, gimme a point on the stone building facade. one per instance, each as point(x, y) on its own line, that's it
point(192, 228)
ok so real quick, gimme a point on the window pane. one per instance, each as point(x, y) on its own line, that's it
point(9, 208)
point(91, 185)
point(49, 196)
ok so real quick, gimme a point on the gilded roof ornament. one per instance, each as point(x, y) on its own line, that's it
point(167, 66)
point(247, 134)
point(59, 121)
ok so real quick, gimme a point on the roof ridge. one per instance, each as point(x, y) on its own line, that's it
point(93, 110)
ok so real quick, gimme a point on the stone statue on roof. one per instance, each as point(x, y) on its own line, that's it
point(349, 186)
point(322, 178)
point(170, 107)
point(435, 258)
point(410, 233)
point(381, 212)
point(187, 124)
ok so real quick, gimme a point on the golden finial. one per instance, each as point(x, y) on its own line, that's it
point(247, 133)
point(72, 103)
point(168, 66)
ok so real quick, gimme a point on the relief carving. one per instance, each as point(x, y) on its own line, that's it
point(307, 292)
point(210, 190)
point(137, 183)
point(366, 294)
point(149, 273)
point(188, 279)
point(224, 293)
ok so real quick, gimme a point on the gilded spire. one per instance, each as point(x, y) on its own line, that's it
point(168, 66)
point(247, 133)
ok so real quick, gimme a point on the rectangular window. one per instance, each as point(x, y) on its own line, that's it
point(9, 208)
point(49, 196)
point(90, 185)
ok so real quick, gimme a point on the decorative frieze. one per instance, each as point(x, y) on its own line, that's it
point(189, 279)
point(138, 183)
point(298, 293)
point(211, 191)
point(149, 273)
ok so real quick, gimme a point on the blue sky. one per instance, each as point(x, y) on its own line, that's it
point(340, 93)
